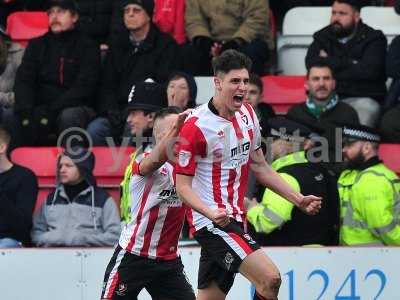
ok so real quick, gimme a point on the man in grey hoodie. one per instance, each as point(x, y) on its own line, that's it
point(77, 213)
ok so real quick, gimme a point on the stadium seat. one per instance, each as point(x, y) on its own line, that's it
point(383, 18)
point(390, 154)
point(23, 26)
point(205, 89)
point(109, 169)
point(282, 92)
point(297, 35)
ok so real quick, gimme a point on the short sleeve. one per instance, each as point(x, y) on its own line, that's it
point(191, 146)
point(136, 163)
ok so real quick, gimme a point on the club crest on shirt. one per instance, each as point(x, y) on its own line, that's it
point(184, 158)
point(122, 288)
point(245, 119)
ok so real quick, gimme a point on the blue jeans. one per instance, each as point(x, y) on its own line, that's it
point(9, 243)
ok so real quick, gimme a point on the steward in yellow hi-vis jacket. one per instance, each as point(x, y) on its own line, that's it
point(276, 221)
point(369, 192)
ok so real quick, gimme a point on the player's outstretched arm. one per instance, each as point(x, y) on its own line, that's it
point(190, 198)
point(271, 179)
point(163, 149)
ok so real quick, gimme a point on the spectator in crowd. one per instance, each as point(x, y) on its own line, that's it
point(139, 53)
point(322, 104)
point(57, 78)
point(169, 16)
point(10, 58)
point(145, 99)
point(18, 192)
point(390, 122)
point(275, 212)
point(95, 19)
point(215, 26)
point(357, 54)
point(264, 111)
point(181, 90)
point(77, 213)
point(368, 192)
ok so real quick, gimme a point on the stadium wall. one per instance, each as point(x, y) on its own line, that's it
point(307, 273)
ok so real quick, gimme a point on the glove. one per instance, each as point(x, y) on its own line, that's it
point(233, 44)
point(203, 43)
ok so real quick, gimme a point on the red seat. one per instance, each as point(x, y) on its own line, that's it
point(282, 92)
point(390, 154)
point(109, 169)
point(25, 25)
point(110, 164)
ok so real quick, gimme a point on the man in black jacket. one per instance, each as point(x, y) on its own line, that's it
point(139, 53)
point(18, 192)
point(357, 54)
point(57, 78)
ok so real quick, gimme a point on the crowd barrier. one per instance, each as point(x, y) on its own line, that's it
point(307, 273)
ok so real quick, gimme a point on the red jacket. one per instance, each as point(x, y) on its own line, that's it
point(169, 16)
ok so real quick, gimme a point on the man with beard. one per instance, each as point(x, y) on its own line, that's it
point(368, 191)
point(357, 54)
point(57, 79)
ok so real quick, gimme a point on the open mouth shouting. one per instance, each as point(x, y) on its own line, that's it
point(238, 99)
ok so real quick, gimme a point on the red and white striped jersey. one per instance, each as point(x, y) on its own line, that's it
point(216, 152)
point(157, 214)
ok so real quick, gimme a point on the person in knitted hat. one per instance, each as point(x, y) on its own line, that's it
point(95, 220)
point(181, 90)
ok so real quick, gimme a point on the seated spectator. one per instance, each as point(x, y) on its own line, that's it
point(368, 192)
point(56, 81)
point(322, 104)
point(18, 192)
point(278, 222)
point(181, 90)
point(10, 58)
point(77, 213)
point(139, 53)
point(357, 54)
point(95, 19)
point(215, 26)
point(264, 111)
point(169, 16)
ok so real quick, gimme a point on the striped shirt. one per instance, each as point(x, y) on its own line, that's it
point(157, 214)
point(216, 152)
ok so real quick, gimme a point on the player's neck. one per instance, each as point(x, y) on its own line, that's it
point(223, 111)
point(5, 164)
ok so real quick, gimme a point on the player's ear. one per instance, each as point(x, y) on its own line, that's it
point(217, 83)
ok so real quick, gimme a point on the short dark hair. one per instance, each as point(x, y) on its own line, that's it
point(5, 135)
point(170, 110)
point(320, 63)
point(256, 80)
point(231, 60)
point(355, 4)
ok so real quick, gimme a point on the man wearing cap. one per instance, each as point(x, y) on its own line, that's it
point(144, 100)
point(139, 52)
point(357, 54)
point(276, 221)
point(369, 192)
point(57, 79)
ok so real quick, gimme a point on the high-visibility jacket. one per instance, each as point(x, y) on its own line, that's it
point(281, 223)
point(370, 206)
point(125, 203)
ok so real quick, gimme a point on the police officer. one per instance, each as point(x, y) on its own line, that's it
point(369, 192)
point(276, 221)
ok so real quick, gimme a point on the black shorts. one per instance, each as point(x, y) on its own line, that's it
point(127, 274)
point(222, 251)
